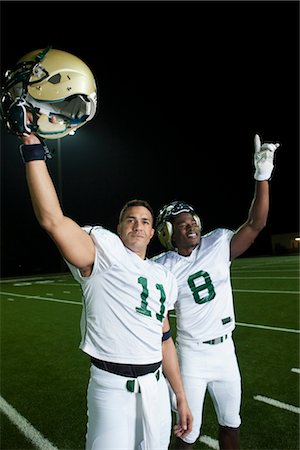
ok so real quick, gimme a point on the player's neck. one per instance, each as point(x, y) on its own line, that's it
point(186, 251)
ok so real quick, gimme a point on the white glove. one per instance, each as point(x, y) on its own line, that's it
point(263, 159)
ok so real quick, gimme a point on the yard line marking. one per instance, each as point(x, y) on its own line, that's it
point(265, 327)
point(249, 325)
point(264, 278)
point(276, 403)
point(212, 443)
point(261, 291)
point(239, 270)
point(53, 277)
point(36, 297)
point(295, 370)
point(38, 440)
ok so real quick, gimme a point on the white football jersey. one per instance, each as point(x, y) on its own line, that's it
point(125, 301)
point(204, 309)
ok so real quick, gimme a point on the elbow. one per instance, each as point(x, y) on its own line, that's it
point(45, 225)
point(261, 225)
point(258, 226)
point(48, 223)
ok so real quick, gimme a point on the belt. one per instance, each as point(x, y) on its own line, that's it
point(133, 385)
point(216, 341)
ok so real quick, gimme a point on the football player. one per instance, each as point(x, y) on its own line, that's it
point(126, 297)
point(204, 309)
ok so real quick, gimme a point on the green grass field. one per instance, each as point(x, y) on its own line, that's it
point(44, 375)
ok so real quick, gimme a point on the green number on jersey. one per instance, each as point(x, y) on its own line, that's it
point(197, 289)
point(144, 295)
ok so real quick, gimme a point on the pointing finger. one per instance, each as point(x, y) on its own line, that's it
point(257, 143)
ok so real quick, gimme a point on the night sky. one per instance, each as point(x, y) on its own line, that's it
point(182, 89)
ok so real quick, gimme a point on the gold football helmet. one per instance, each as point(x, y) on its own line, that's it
point(56, 87)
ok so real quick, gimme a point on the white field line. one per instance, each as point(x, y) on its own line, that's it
point(257, 270)
point(264, 278)
point(41, 278)
point(277, 404)
point(265, 327)
point(263, 291)
point(43, 444)
point(36, 297)
point(25, 427)
point(212, 443)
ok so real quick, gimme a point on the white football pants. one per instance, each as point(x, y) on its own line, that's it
point(213, 368)
point(122, 420)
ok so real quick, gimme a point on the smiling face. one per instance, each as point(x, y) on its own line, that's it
point(136, 229)
point(186, 233)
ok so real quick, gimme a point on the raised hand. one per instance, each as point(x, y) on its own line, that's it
point(263, 159)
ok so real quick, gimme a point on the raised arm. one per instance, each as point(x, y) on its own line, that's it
point(73, 243)
point(259, 209)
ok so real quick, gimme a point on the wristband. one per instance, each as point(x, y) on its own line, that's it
point(34, 152)
point(166, 335)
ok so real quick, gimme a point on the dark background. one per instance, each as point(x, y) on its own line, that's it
point(182, 89)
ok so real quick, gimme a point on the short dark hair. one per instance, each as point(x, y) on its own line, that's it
point(135, 202)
